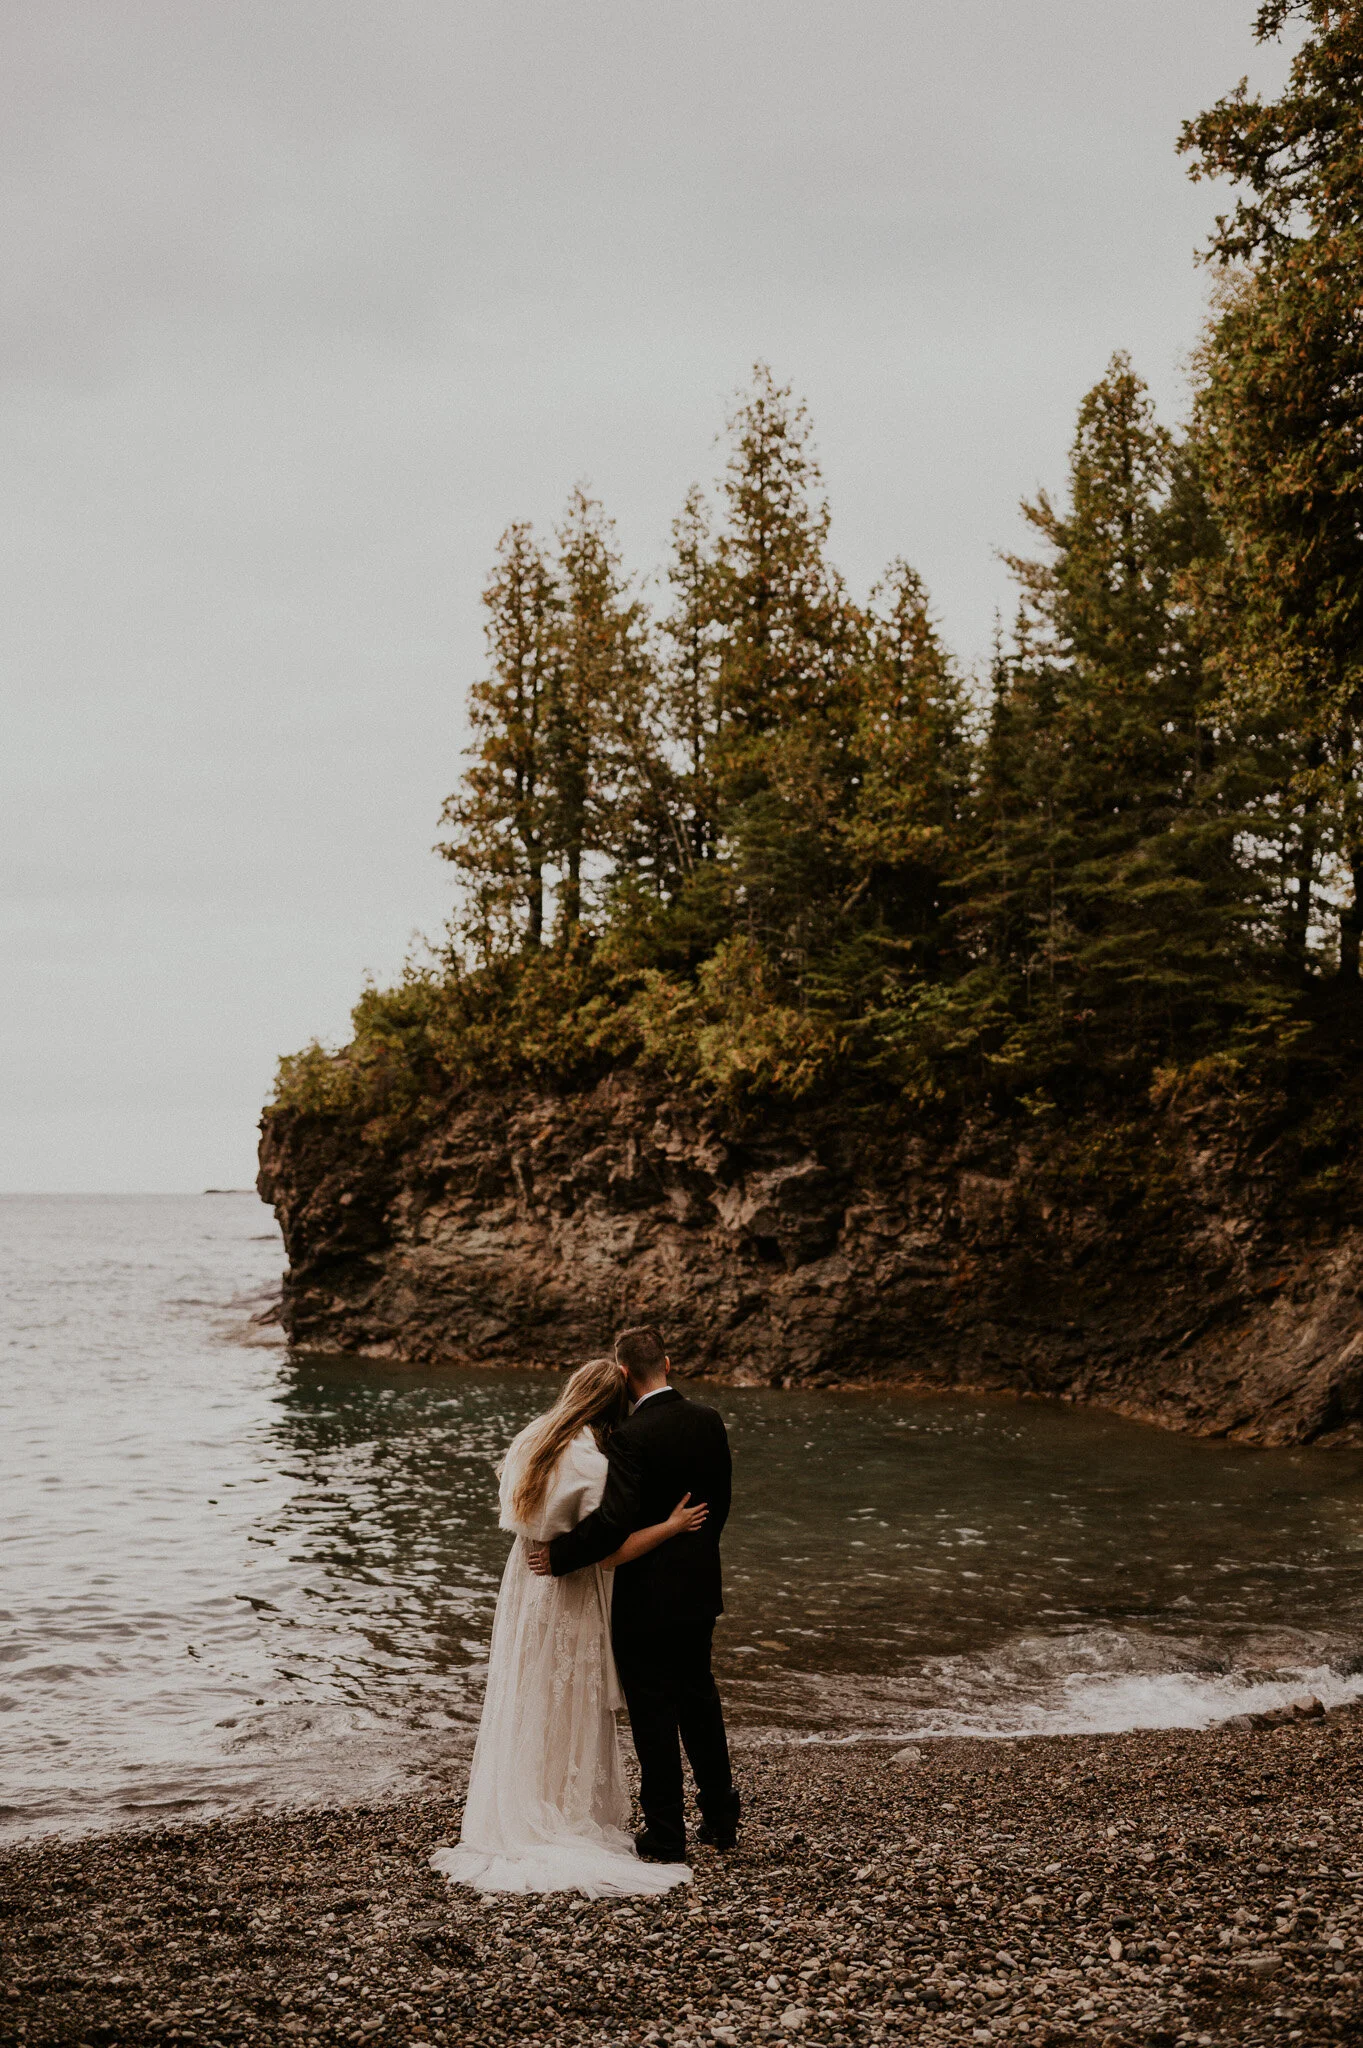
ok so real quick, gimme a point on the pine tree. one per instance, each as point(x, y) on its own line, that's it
point(1107, 877)
point(599, 745)
point(784, 691)
point(502, 813)
point(912, 763)
point(781, 606)
point(1280, 421)
point(566, 765)
point(692, 702)
point(620, 799)
point(783, 846)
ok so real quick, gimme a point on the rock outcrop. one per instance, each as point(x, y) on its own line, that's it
point(1162, 1269)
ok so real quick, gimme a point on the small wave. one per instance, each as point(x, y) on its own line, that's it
point(1106, 1682)
point(1114, 1703)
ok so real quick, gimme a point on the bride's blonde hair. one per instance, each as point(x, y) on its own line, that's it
point(595, 1397)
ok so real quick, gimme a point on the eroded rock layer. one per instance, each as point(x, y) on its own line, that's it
point(1165, 1268)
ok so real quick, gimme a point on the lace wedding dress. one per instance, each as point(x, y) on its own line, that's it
point(547, 1807)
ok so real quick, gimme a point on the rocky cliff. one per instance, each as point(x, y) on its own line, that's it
point(1164, 1267)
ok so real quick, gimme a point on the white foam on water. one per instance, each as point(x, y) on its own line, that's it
point(1095, 1682)
point(235, 1578)
point(1116, 1703)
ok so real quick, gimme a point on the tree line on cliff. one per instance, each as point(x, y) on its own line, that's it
point(767, 837)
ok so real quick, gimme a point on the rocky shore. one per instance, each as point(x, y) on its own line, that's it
point(1197, 1268)
point(1162, 1889)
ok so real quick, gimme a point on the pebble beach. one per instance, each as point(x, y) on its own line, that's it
point(1157, 1887)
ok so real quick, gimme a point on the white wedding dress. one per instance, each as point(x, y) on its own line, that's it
point(547, 1807)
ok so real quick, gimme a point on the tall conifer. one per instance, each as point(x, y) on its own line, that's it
point(784, 684)
point(911, 756)
point(501, 814)
point(1280, 419)
point(598, 742)
point(692, 699)
point(1109, 870)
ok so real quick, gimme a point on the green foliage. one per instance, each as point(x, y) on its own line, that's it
point(774, 846)
point(547, 1017)
point(500, 816)
point(1107, 877)
point(731, 1034)
point(1330, 1143)
point(389, 1071)
point(1279, 427)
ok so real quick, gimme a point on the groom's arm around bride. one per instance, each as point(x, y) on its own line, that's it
point(665, 1604)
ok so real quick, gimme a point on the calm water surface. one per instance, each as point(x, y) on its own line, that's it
point(229, 1576)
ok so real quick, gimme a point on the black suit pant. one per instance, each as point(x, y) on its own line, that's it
point(673, 1704)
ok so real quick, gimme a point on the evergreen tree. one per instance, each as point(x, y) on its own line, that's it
point(911, 763)
point(1280, 421)
point(781, 607)
point(1107, 877)
point(780, 822)
point(785, 702)
point(692, 702)
point(598, 743)
point(565, 765)
point(502, 814)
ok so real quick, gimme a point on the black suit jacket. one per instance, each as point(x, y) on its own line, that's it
point(668, 1447)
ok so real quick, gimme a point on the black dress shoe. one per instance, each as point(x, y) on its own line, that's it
point(651, 1850)
point(716, 1838)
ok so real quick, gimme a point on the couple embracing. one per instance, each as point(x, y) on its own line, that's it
point(617, 1498)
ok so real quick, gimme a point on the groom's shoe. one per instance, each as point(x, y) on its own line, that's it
point(651, 1850)
point(719, 1828)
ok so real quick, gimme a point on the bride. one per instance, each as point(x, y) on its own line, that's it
point(547, 1807)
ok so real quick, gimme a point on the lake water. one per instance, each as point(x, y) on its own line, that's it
point(230, 1576)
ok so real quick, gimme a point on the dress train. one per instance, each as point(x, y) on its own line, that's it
point(548, 1807)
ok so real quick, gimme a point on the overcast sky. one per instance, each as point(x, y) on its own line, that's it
point(306, 298)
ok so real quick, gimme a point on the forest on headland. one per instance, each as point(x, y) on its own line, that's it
point(764, 837)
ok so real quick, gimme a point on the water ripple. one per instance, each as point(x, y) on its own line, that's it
point(229, 1575)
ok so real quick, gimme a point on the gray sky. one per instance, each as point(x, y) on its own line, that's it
point(305, 299)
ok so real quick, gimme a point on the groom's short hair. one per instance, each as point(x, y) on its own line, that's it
point(641, 1351)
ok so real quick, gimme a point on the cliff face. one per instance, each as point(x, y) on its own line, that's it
point(1160, 1270)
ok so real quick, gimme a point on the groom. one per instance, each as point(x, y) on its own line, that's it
point(665, 1603)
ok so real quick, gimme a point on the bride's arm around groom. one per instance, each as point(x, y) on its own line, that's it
point(669, 1446)
point(665, 1603)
